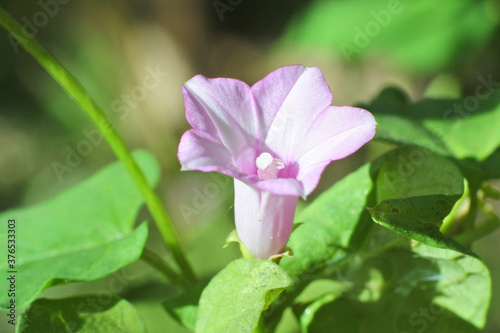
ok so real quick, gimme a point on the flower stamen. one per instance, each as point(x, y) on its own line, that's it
point(268, 167)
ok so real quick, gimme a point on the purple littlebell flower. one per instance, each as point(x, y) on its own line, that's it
point(274, 138)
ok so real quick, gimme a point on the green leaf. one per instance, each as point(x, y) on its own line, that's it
point(418, 218)
point(317, 293)
point(462, 128)
point(464, 283)
point(235, 298)
point(394, 126)
point(320, 287)
point(333, 225)
point(402, 131)
point(491, 166)
point(337, 223)
point(425, 289)
point(412, 171)
point(83, 314)
point(473, 134)
point(234, 238)
point(310, 311)
point(184, 307)
point(84, 233)
point(416, 190)
point(423, 36)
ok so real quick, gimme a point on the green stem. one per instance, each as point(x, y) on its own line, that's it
point(470, 219)
point(468, 237)
point(74, 89)
point(158, 263)
point(490, 191)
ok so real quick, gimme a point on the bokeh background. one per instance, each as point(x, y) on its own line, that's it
point(427, 48)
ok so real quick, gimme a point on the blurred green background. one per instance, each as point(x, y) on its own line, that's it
point(427, 48)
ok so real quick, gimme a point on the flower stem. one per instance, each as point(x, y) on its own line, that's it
point(158, 263)
point(74, 89)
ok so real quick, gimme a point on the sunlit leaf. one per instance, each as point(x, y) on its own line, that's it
point(412, 171)
point(463, 128)
point(333, 225)
point(82, 234)
point(425, 289)
point(416, 190)
point(420, 35)
point(235, 298)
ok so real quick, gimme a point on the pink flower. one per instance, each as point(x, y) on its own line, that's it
point(274, 138)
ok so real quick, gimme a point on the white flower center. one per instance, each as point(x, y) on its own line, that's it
point(268, 167)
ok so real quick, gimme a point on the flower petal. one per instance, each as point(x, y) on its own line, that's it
point(335, 133)
point(198, 151)
point(225, 109)
point(272, 90)
point(281, 186)
point(298, 100)
point(264, 220)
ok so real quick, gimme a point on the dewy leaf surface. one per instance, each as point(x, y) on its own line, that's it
point(83, 314)
point(235, 298)
point(84, 233)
